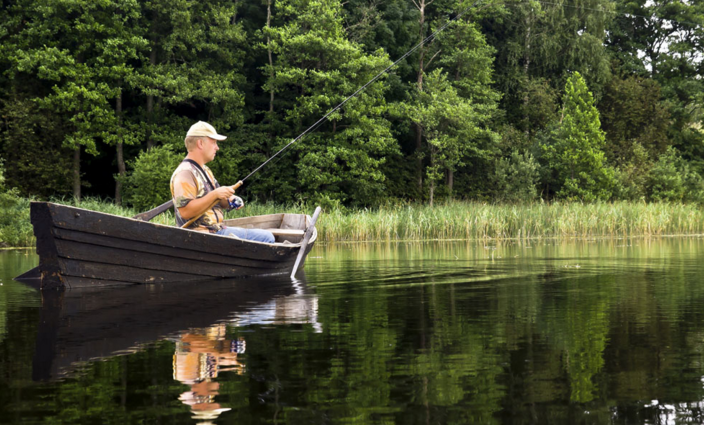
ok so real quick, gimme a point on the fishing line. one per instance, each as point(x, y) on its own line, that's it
point(361, 89)
point(424, 41)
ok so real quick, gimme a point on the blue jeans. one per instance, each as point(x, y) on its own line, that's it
point(258, 235)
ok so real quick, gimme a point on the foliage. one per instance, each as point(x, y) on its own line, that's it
point(574, 152)
point(517, 178)
point(148, 183)
point(632, 114)
point(633, 174)
point(87, 86)
point(15, 228)
point(317, 63)
point(672, 180)
point(450, 123)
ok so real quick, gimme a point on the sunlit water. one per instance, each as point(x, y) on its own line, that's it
point(590, 332)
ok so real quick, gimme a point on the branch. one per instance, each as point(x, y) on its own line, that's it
point(431, 59)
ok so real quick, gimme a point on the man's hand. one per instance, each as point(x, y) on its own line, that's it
point(223, 193)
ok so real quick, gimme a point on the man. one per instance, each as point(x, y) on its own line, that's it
point(194, 188)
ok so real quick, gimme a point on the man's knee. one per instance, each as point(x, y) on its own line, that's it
point(265, 236)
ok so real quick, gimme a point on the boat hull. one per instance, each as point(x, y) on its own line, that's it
point(78, 248)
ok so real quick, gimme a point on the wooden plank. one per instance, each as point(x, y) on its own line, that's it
point(287, 232)
point(122, 273)
point(294, 221)
point(75, 282)
point(158, 263)
point(268, 225)
point(144, 247)
point(268, 221)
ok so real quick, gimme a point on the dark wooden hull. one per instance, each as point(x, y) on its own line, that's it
point(78, 248)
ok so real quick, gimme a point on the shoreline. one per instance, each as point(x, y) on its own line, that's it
point(451, 221)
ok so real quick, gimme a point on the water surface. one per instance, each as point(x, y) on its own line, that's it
point(590, 332)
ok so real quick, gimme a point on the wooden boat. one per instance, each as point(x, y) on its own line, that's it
point(78, 248)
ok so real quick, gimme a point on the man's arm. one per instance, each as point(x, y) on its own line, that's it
point(200, 205)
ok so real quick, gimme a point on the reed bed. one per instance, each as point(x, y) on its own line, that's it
point(454, 220)
point(473, 220)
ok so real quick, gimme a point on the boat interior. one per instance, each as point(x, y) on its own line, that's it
point(285, 227)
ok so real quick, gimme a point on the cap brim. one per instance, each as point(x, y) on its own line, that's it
point(218, 137)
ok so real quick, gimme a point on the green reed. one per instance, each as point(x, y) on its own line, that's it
point(474, 220)
point(453, 220)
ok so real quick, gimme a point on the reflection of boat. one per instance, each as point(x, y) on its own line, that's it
point(79, 247)
point(79, 325)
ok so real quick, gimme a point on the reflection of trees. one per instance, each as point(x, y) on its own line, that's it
point(594, 344)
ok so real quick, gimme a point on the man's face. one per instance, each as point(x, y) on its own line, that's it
point(210, 147)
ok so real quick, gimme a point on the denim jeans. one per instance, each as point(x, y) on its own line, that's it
point(257, 235)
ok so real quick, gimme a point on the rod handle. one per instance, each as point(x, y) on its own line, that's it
point(191, 221)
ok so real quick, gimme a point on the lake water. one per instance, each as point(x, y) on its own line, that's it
point(589, 332)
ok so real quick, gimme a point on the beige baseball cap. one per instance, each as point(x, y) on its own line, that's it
point(202, 128)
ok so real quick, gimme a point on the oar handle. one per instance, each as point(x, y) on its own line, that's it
point(304, 242)
point(191, 221)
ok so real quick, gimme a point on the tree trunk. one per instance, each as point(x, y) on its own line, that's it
point(271, 60)
point(150, 105)
point(121, 169)
point(450, 181)
point(432, 191)
point(526, 69)
point(419, 130)
point(77, 174)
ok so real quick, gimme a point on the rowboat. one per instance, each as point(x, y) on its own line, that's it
point(79, 248)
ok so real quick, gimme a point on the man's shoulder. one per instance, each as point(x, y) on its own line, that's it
point(184, 166)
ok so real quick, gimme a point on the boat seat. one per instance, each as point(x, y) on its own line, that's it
point(287, 235)
point(286, 232)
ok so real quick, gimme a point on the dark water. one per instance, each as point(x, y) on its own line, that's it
point(598, 332)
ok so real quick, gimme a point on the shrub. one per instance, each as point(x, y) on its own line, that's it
point(671, 179)
point(15, 226)
point(517, 178)
point(147, 185)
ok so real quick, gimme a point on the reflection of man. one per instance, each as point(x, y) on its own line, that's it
point(198, 358)
point(194, 188)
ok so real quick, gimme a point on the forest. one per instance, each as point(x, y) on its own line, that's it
point(513, 102)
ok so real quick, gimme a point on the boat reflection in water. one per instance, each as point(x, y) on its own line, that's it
point(77, 326)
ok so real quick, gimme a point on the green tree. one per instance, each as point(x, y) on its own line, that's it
point(148, 185)
point(632, 111)
point(451, 125)
point(663, 39)
point(541, 43)
point(517, 178)
point(672, 180)
point(316, 67)
point(65, 45)
point(574, 152)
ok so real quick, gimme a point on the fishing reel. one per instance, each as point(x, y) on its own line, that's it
point(236, 203)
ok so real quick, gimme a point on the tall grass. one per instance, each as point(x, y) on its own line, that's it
point(473, 220)
point(454, 220)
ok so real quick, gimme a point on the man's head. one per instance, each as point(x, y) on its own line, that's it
point(202, 141)
point(201, 131)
